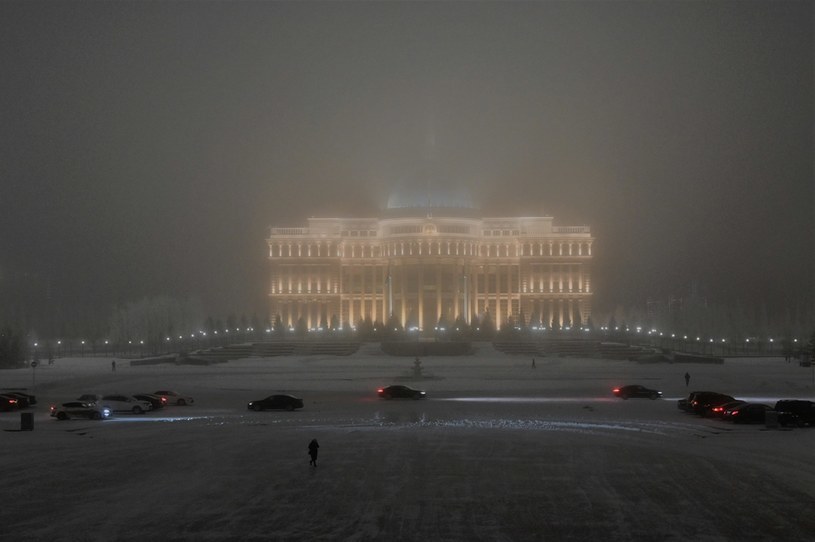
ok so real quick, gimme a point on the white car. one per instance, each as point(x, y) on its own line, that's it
point(79, 409)
point(123, 403)
point(174, 398)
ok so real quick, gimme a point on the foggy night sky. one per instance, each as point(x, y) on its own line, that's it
point(147, 146)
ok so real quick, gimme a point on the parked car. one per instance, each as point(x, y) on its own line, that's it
point(700, 402)
point(8, 402)
point(400, 392)
point(174, 398)
point(23, 400)
point(636, 391)
point(747, 413)
point(155, 401)
point(32, 399)
point(276, 402)
point(795, 412)
point(79, 409)
point(123, 403)
point(719, 410)
point(685, 404)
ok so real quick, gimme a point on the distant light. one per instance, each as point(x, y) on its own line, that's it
point(35, 344)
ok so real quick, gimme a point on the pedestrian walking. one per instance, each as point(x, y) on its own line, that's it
point(113, 365)
point(533, 363)
point(313, 449)
point(687, 379)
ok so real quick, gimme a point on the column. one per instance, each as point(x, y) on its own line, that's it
point(438, 291)
point(420, 297)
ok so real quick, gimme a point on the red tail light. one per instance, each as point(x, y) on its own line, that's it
point(615, 390)
point(380, 390)
point(734, 413)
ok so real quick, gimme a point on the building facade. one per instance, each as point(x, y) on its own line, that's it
point(426, 266)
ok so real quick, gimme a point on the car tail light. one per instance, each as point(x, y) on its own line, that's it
point(12, 401)
point(380, 390)
point(734, 413)
point(615, 390)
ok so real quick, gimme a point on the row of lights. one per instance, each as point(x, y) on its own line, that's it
point(638, 329)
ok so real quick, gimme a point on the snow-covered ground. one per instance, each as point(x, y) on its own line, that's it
point(498, 451)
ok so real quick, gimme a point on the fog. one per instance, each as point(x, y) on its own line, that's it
point(147, 147)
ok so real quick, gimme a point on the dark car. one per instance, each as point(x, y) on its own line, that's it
point(636, 391)
point(21, 394)
point(685, 404)
point(400, 392)
point(8, 402)
point(795, 412)
point(747, 413)
point(23, 400)
point(154, 400)
point(719, 410)
point(276, 402)
point(700, 402)
point(79, 409)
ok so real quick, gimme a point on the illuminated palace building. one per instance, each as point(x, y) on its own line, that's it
point(426, 265)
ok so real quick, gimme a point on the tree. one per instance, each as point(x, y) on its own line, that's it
point(460, 328)
point(393, 328)
point(13, 347)
point(486, 326)
point(279, 328)
point(522, 320)
point(257, 331)
point(301, 329)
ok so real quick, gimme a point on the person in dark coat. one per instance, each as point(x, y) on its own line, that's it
point(313, 449)
point(687, 379)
